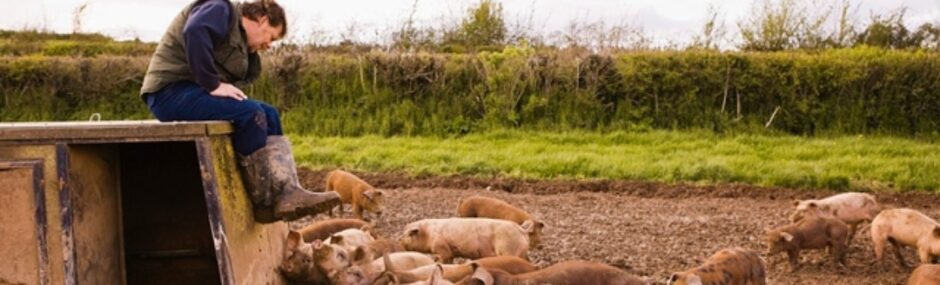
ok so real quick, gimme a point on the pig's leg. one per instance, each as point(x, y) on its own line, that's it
point(897, 253)
point(443, 252)
point(838, 254)
point(878, 243)
point(852, 228)
point(924, 254)
point(357, 210)
point(794, 256)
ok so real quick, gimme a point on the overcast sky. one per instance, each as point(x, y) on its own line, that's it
point(665, 20)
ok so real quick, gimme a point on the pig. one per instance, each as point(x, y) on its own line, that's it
point(457, 272)
point(568, 272)
point(730, 266)
point(360, 272)
point(485, 207)
point(322, 230)
point(811, 232)
point(382, 246)
point(406, 260)
point(435, 277)
point(330, 257)
point(298, 264)
point(909, 228)
point(350, 239)
point(364, 270)
point(925, 274)
point(851, 208)
point(354, 191)
point(465, 237)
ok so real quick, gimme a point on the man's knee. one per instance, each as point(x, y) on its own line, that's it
point(269, 110)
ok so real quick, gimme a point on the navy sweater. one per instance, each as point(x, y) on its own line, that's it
point(208, 24)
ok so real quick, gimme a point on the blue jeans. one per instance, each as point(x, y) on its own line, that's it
point(254, 120)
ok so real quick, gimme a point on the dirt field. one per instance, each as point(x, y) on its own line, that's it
point(648, 229)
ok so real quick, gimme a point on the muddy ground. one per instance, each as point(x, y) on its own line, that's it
point(648, 229)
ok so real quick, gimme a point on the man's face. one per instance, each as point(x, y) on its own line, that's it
point(260, 33)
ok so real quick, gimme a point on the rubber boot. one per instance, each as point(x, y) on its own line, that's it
point(271, 180)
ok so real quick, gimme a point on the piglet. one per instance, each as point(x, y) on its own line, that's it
point(352, 190)
point(466, 237)
point(906, 227)
point(731, 266)
point(811, 232)
point(486, 207)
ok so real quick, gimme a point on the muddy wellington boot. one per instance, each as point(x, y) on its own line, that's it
point(271, 180)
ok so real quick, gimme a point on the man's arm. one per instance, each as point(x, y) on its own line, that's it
point(208, 23)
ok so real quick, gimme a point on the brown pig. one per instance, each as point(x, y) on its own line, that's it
point(353, 190)
point(383, 246)
point(811, 232)
point(322, 230)
point(466, 237)
point(298, 264)
point(908, 228)
point(486, 207)
point(925, 274)
point(568, 272)
point(731, 266)
point(851, 208)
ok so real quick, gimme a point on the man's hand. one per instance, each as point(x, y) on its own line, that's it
point(229, 90)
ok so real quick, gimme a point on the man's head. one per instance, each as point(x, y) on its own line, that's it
point(264, 22)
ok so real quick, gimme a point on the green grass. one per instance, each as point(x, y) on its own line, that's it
point(841, 163)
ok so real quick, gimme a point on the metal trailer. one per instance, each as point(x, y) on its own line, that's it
point(129, 202)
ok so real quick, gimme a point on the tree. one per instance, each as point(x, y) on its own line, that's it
point(773, 26)
point(889, 31)
point(483, 26)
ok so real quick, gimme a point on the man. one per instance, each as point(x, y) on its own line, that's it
point(210, 48)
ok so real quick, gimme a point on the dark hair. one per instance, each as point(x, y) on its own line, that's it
point(260, 8)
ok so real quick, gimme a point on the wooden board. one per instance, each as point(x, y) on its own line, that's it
point(96, 222)
point(116, 131)
point(19, 245)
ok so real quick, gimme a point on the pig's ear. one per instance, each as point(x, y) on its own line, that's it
point(336, 239)
point(369, 194)
point(293, 239)
point(413, 233)
point(480, 275)
point(360, 255)
point(796, 203)
point(675, 277)
point(528, 226)
point(936, 232)
point(539, 225)
point(786, 236)
point(317, 244)
point(379, 192)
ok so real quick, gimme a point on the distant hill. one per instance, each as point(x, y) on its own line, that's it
point(25, 43)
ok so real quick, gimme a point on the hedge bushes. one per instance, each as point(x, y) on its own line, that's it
point(851, 91)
